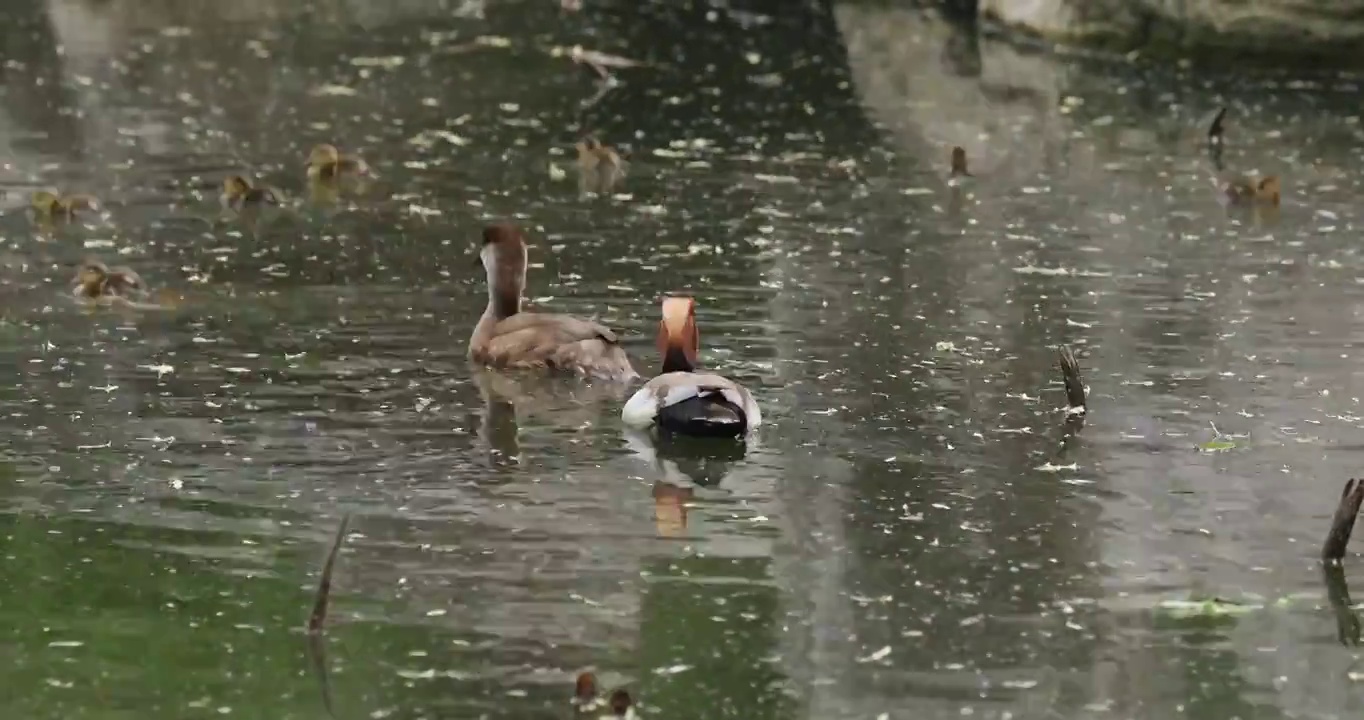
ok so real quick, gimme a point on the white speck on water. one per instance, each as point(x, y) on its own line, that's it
point(672, 669)
point(387, 63)
point(158, 369)
point(881, 654)
point(333, 90)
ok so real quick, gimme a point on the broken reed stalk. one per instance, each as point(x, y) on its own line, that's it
point(1343, 522)
point(1215, 127)
point(1070, 373)
point(324, 585)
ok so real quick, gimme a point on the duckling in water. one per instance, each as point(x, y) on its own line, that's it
point(239, 194)
point(327, 164)
point(1247, 192)
point(587, 704)
point(599, 166)
point(97, 282)
point(49, 205)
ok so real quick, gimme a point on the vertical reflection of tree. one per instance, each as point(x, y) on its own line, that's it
point(1015, 545)
point(34, 82)
point(721, 619)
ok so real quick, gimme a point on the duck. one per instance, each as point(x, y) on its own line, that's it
point(49, 204)
point(239, 193)
point(680, 399)
point(508, 338)
point(326, 163)
point(588, 704)
point(958, 175)
point(599, 166)
point(98, 282)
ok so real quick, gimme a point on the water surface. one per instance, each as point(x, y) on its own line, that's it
point(915, 533)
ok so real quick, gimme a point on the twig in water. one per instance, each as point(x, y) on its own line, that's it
point(1070, 374)
point(1215, 127)
point(1215, 141)
point(1343, 522)
point(324, 585)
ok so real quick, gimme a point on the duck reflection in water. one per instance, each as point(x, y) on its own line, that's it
point(681, 464)
point(510, 396)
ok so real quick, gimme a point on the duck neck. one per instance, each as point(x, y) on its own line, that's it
point(676, 360)
point(503, 301)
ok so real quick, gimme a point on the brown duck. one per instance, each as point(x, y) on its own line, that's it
point(507, 337)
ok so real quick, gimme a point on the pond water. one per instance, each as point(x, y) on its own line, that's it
point(914, 532)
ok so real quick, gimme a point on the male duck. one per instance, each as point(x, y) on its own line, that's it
point(682, 400)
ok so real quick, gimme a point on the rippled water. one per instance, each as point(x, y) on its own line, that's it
point(913, 534)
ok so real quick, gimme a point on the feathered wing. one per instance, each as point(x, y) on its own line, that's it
point(527, 340)
point(642, 409)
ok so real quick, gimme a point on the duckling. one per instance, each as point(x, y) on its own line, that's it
point(49, 205)
point(95, 281)
point(587, 704)
point(585, 700)
point(959, 173)
point(326, 163)
point(239, 193)
point(1247, 192)
point(599, 166)
point(621, 704)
